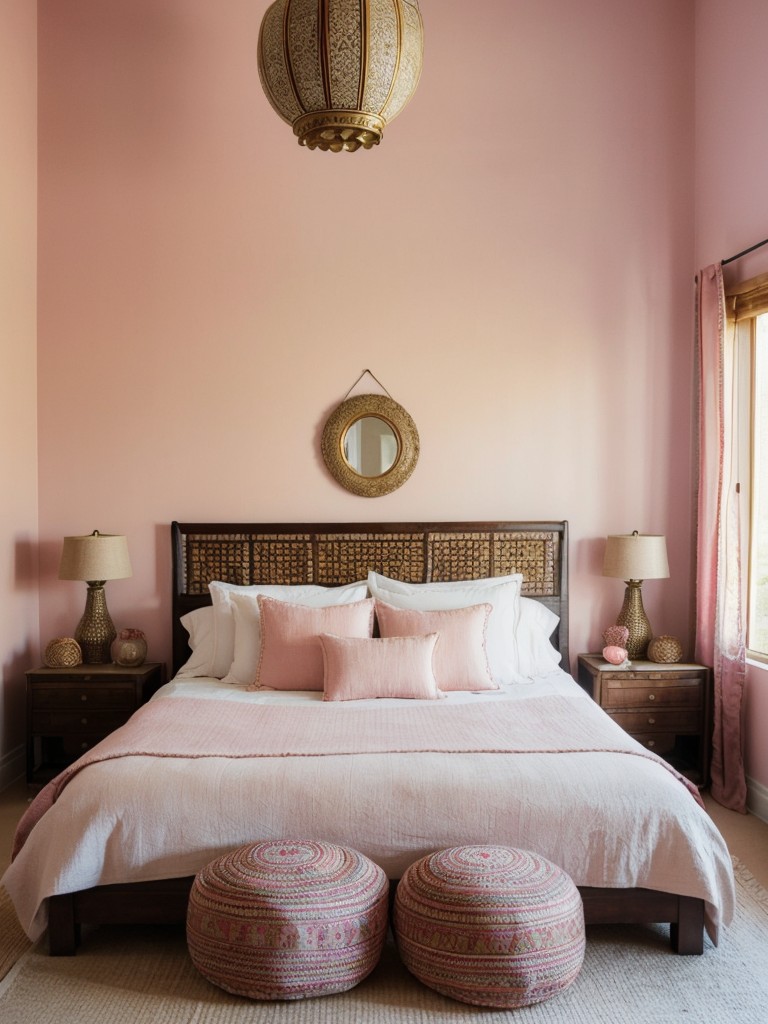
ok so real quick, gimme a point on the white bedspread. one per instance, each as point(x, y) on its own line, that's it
point(607, 818)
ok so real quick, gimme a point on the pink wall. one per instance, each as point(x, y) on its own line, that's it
point(18, 400)
point(732, 201)
point(513, 263)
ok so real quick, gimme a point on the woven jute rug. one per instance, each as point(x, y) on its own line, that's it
point(13, 941)
point(144, 976)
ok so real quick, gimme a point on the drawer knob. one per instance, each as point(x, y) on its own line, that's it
point(83, 696)
point(83, 746)
point(651, 743)
point(651, 721)
point(651, 696)
point(84, 721)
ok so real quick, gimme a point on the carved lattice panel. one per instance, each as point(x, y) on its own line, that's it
point(286, 559)
point(459, 556)
point(246, 559)
point(344, 558)
point(215, 558)
point(535, 555)
point(333, 558)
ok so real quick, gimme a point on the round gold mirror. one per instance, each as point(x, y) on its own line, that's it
point(370, 444)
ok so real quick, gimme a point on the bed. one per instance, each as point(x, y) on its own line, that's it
point(529, 760)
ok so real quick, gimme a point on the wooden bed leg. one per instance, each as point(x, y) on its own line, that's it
point(687, 933)
point(63, 929)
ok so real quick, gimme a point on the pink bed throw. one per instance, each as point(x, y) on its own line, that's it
point(186, 727)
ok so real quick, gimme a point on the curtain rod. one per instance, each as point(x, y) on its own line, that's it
point(758, 245)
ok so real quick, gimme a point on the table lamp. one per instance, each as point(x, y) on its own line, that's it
point(95, 558)
point(635, 557)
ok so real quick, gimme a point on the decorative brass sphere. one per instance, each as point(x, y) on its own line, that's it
point(665, 650)
point(63, 652)
point(340, 70)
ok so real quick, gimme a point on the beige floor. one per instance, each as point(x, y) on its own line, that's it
point(13, 803)
point(746, 835)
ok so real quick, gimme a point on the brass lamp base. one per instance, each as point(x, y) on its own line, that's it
point(95, 630)
point(632, 615)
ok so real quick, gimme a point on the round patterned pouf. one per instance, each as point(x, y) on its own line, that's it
point(287, 920)
point(490, 925)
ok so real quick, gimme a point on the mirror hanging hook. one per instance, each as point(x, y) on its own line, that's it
point(370, 374)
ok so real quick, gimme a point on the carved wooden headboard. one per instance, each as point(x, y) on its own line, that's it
point(331, 554)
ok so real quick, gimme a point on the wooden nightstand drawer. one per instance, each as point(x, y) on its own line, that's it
point(657, 721)
point(77, 695)
point(667, 708)
point(636, 693)
point(69, 710)
point(661, 743)
point(63, 723)
point(77, 745)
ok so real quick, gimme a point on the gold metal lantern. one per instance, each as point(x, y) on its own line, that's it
point(340, 70)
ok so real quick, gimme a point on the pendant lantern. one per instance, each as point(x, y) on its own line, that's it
point(340, 70)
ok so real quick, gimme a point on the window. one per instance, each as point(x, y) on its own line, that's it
point(748, 305)
point(757, 627)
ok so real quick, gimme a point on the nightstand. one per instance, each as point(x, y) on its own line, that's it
point(667, 708)
point(70, 709)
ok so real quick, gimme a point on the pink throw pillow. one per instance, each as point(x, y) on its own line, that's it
point(400, 666)
point(291, 657)
point(461, 662)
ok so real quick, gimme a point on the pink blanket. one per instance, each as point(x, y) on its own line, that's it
point(190, 728)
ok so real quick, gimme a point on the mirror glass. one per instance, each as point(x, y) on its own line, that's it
point(370, 446)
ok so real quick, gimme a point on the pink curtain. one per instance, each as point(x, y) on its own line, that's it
point(720, 640)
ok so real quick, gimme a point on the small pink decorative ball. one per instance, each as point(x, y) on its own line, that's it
point(614, 655)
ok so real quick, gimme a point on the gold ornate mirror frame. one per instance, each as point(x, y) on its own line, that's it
point(401, 424)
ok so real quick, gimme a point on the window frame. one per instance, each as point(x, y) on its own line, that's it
point(745, 302)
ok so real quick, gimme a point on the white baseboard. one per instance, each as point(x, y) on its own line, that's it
point(757, 799)
point(12, 766)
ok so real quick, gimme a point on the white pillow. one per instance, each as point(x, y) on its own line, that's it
point(400, 587)
point(503, 597)
point(535, 626)
point(199, 625)
point(247, 620)
point(224, 620)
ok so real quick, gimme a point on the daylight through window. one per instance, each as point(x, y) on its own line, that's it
point(757, 633)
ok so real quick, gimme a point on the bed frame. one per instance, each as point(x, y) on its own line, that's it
point(331, 554)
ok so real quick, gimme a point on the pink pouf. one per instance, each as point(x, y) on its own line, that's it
point(490, 925)
point(287, 920)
